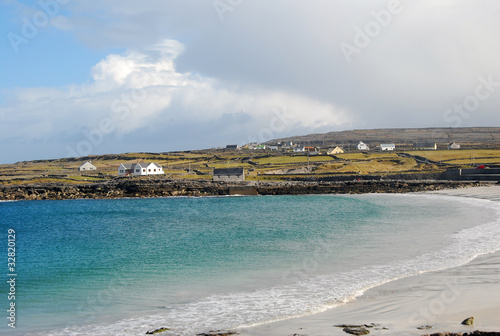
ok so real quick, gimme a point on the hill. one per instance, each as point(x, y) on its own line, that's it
point(480, 146)
point(486, 137)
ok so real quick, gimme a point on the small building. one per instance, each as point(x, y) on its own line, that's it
point(87, 166)
point(425, 145)
point(299, 149)
point(336, 150)
point(232, 147)
point(273, 147)
point(362, 146)
point(260, 147)
point(387, 147)
point(312, 150)
point(229, 174)
point(140, 169)
point(453, 145)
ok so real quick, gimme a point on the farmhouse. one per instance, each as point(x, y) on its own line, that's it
point(453, 145)
point(336, 150)
point(233, 147)
point(299, 149)
point(312, 150)
point(229, 174)
point(362, 146)
point(425, 145)
point(87, 166)
point(387, 147)
point(139, 169)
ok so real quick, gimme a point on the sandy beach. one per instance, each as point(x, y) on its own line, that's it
point(441, 299)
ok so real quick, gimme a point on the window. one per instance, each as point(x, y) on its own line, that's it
point(137, 170)
point(155, 169)
point(149, 170)
point(121, 170)
point(144, 170)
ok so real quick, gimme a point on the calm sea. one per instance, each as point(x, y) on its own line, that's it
point(109, 267)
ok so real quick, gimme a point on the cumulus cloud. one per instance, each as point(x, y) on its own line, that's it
point(199, 81)
point(141, 91)
point(428, 54)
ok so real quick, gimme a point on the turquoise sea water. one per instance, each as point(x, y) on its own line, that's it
point(102, 267)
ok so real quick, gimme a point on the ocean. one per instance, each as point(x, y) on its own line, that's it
point(126, 266)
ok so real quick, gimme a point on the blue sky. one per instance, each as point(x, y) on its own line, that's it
point(109, 76)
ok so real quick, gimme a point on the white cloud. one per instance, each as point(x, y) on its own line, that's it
point(142, 90)
point(221, 80)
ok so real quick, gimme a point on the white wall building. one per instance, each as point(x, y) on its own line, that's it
point(363, 146)
point(139, 169)
point(87, 166)
point(387, 147)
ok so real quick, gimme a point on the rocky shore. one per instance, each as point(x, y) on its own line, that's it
point(161, 187)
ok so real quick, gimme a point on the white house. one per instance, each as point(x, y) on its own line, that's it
point(453, 145)
point(299, 149)
point(336, 150)
point(87, 166)
point(138, 169)
point(387, 147)
point(312, 150)
point(363, 146)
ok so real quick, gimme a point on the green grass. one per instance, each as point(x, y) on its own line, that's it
point(292, 159)
point(175, 164)
point(367, 156)
point(457, 154)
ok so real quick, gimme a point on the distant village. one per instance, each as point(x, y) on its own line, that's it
point(238, 174)
point(338, 149)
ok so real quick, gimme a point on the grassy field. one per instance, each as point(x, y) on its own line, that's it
point(259, 165)
point(462, 157)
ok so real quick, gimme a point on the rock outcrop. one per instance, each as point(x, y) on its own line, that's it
point(162, 187)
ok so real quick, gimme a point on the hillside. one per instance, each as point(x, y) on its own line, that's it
point(466, 136)
point(480, 146)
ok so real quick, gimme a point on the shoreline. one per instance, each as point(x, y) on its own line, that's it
point(160, 187)
point(439, 299)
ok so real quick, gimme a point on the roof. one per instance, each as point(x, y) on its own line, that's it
point(127, 165)
point(139, 165)
point(87, 163)
point(228, 171)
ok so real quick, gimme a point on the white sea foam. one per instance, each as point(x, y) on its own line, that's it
point(313, 295)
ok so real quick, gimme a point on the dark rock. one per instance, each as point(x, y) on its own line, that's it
point(157, 331)
point(218, 333)
point(468, 321)
point(474, 333)
point(356, 331)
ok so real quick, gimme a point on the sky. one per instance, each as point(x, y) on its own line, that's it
point(115, 76)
